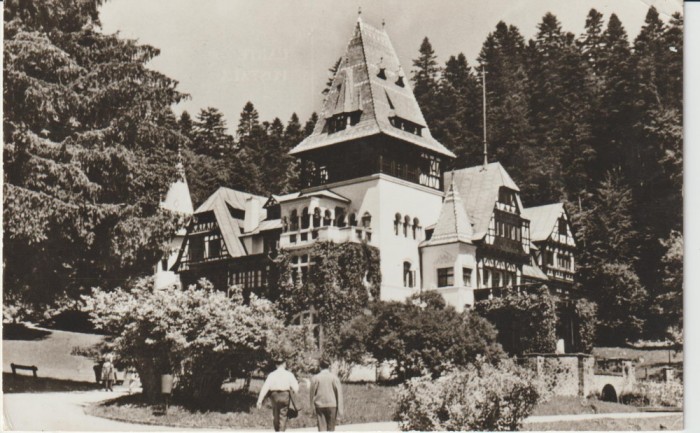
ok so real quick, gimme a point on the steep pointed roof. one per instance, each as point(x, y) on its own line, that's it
point(178, 198)
point(453, 224)
point(359, 87)
point(543, 220)
point(231, 228)
point(479, 188)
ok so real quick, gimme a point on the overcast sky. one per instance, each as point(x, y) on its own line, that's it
point(276, 53)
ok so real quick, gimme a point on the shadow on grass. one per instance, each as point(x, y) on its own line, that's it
point(234, 401)
point(19, 331)
point(12, 384)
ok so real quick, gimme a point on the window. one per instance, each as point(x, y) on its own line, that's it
point(467, 277)
point(196, 248)
point(366, 220)
point(294, 221)
point(305, 218)
point(212, 246)
point(562, 226)
point(352, 220)
point(406, 224)
point(496, 279)
point(285, 224)
point(317, 217)
point(340, 217)
point(397, 223)
point(409, 275)
point(327, 218)
point(486, 277)
point(416, 227)
point(446, 277)
point(506, 196)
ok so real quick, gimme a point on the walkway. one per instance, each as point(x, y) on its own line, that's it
point(65, 411)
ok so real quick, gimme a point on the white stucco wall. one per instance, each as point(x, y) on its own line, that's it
point(456, 255)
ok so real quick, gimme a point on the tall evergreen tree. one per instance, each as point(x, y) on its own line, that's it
point(310, 124)
point(508, 125)
point(89, 149)
point(209, 133)
point(331, 74)
point(185, 123)
point(425, 76)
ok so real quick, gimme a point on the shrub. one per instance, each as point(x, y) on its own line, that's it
point(525, 322)
point(586, 322)
point(668, 394)
point(429, 340)
point(480, 397)
point(197, 333)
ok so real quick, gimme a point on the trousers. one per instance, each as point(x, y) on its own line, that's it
point(280, 404)
point(325, 418)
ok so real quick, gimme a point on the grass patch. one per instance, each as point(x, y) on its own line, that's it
point(12, 384)
point(363, 404)
point(576, 405)
point(673, 422)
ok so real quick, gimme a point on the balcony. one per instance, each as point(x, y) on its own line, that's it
point(326, 234)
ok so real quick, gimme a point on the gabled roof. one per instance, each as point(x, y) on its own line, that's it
point(327, 193)
point(543, 220)
point(231, 228)
point(478, 187)
point(358, 88)
point(453, 224)
point(533, 271)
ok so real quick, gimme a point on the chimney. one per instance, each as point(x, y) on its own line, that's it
point(252, 214)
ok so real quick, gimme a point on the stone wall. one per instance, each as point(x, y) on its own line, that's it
point(570, 374)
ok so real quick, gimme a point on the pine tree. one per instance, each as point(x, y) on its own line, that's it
point(249, 121)
point(186, 125)
point(89, 149)
point(459, 99)
point(509, 131)
point(209, 133)
point(331, 74)
point(310, 124)
point(425, 81)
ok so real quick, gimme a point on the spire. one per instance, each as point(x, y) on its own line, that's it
point(359, 14)
point(368, 51)
point(178, 198)
point(453, 224)
point(483, 87)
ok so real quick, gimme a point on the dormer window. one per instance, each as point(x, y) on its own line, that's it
point(337, 123)
point(382, 69)
point(562, 227)
point(399, 81)
point(405, 125)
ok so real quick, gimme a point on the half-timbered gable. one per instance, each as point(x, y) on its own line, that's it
point(554, 242)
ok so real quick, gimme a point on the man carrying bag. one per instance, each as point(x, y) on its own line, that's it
point(280, 386)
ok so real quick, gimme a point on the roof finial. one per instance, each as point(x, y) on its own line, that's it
point(383, 23)
point(359, 13)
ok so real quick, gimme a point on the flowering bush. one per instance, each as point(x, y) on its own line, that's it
point(198, 334)
point(480, 397)
point(647, 393)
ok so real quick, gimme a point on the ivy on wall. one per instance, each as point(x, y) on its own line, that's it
point(342, 281)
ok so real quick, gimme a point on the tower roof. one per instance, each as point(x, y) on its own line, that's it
point(178, 198)
point(370, 85)
point(453, 224)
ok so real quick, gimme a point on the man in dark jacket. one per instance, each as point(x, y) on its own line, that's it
point(326, 397)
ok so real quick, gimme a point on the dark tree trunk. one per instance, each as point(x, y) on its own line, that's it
point(150, 380)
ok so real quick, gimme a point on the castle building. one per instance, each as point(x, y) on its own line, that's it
point(372, 172)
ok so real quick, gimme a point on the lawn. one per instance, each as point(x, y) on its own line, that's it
point(652, 359)
point(364, 403)
point(672, 422)
point(49, 350)
point(574, 406)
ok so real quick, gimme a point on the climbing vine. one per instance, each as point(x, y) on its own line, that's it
point(342, 281)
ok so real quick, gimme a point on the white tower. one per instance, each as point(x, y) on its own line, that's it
point(177, 200)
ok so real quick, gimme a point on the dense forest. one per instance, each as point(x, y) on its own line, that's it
point(593, 120)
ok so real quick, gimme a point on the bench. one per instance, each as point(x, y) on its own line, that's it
point(16, 367)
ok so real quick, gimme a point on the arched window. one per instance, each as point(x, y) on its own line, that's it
point(294, 220)
point(327, 218)
point(317, 217)
point(409, 275)
point(366, 220)
point(397, 223)
point(352, 220)
point(285, 224)
point(406, 223)
point(416, 226)
point(305, 218)
point(340, 217)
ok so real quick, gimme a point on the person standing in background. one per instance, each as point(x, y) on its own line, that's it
point(326, 397)
point(108, 372)
point(279, 385)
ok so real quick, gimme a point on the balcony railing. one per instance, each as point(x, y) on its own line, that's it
point(326, 234)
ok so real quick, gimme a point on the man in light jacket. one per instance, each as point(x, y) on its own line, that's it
point(326, 397)
point(279, 384)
